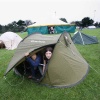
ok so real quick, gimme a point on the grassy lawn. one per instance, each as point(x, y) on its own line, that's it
point(18, 88)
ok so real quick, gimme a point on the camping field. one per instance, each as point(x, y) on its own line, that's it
point(20, 88)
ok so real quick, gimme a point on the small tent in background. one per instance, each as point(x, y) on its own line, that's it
point(91, 27)
point(81, 38)
point(66, 67)
point(10, 40)
point(43, 25)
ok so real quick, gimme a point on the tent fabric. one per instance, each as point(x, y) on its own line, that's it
point(81, 38)
point(48, 22)
point(66, 28)
point(29, 44)
point(58, 28)
point(42, 29)
point(11, 40)
point(66, 67)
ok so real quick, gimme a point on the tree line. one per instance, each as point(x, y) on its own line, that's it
point(14, 26)
point(21, 25)
point(85, 22)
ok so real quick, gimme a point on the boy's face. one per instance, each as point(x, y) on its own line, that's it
point(48, 54)
point(34, 56)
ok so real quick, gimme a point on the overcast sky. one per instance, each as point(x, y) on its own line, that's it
point(72, 10)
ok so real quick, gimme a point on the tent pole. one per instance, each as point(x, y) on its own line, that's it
point(82, 38)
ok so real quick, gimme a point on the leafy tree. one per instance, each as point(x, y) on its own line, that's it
point(20, 23)
point(10, 27)
point(3, 29)
point(0, 28)
point(28, 22)
point(78, 23)
point(63, 19)
point(97, 24)
point(15, 26)
point(87, 22)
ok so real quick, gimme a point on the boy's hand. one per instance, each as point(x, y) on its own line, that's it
point(27, 54)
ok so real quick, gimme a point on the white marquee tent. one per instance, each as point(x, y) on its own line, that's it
point(48, 21)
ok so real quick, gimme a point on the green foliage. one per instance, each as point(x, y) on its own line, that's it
point(87, 22)
point(26, 89)
point(63, 19)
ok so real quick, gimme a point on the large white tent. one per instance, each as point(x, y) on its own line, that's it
point(43, 26)
point(10, 40)
point(91, 27)
point(48, 22)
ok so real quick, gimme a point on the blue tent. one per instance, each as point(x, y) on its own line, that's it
point(83, 39)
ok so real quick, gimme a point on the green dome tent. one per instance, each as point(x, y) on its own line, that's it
point(66, 67)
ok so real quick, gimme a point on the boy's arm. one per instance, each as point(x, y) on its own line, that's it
point(35, 62)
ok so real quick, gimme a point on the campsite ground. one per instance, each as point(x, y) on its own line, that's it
point(17, 88)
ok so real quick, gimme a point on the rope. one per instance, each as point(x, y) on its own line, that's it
point(11, 84)
point(95, 70)
point(18, 83)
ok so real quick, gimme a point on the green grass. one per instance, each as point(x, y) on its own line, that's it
point(89, 89)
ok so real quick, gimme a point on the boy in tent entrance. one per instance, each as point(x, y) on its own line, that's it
point(34, 61)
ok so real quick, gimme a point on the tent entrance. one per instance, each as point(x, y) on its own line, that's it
point(23, 69)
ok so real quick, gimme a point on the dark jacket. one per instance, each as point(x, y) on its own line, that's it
point(34, 63)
